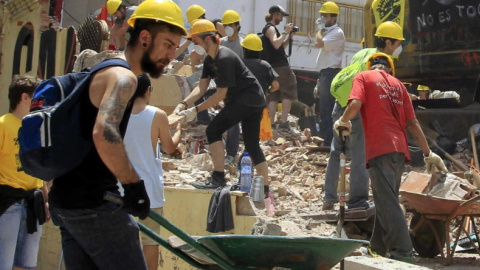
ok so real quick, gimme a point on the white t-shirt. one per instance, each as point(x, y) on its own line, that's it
point(330, 56)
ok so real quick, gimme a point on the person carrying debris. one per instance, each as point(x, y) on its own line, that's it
point(148, 129)
point(19, 233)
point(122, 13)
point(331, 41)
point(243, 97)
point(96, 234)
point(278, 60)
point(389, 38)
point(386, 110)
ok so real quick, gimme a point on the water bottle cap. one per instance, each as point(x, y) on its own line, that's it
point(246, 154)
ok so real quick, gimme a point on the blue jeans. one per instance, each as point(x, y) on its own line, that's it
point(17, 247)
point(104, 237)
point(355, 148)
point(325, 103)
point(386, 173)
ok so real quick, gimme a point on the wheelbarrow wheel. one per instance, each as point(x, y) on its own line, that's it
point(423, 239)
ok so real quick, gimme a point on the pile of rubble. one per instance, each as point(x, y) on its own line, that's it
point(296, 161)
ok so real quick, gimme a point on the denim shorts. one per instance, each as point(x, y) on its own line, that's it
point(104, 237)
point(17, 247)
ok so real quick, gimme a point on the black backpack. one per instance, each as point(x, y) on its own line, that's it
point(50, 139)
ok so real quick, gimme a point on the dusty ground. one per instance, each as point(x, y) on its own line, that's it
point(296, 169)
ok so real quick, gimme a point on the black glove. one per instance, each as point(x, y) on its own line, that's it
point(136, 200)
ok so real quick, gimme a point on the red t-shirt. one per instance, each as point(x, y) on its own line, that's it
point(386, 108)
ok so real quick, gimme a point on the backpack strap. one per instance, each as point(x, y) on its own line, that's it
point(110, 63)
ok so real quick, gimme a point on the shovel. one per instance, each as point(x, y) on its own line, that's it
point(341, 198)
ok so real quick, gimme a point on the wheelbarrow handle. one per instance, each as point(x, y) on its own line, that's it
point(115, 198)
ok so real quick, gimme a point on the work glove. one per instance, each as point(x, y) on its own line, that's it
point(136, 200)
point(189, 114)
point(342, 129)
point(434, 163)
point(180, 107)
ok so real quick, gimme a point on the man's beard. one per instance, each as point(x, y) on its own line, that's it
point(151, 67)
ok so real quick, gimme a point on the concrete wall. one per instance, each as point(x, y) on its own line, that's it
point(186, 208)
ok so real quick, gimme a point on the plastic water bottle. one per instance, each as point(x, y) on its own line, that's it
point(246, 172)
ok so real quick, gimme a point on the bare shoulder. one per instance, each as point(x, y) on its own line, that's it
point(160, 116)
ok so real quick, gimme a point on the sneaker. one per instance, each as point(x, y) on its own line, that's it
point(327, 206)
point(212, 182)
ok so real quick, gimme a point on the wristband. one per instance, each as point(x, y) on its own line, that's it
point(184, 103)
point(196, 108)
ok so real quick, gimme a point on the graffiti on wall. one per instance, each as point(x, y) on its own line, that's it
point(440, 25)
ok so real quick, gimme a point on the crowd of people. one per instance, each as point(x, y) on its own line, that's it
point(363, 108)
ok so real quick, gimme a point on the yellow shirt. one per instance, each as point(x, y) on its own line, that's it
point(11, 171)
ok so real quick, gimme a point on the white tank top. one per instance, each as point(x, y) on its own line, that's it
point(146, 161)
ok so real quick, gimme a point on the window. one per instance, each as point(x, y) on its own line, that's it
point(304, 13)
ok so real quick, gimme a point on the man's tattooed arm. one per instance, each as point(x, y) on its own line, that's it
point(106, 132)
point(112, 109)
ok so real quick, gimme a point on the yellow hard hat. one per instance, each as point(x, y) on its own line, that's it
point(381, 58)
point(329, 7)
point(113, 5)
point(423, 87)
point(201, 26)
point(230, 16)
point(194, 12)
point(390, 29)
point(252, 42)
point(159, 10)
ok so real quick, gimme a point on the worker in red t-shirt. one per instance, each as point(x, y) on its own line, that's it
point(386, 110)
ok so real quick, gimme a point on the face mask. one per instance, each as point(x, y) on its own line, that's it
point(199, 49)
point(397, 51)
point(229, 31)
point(320, 22)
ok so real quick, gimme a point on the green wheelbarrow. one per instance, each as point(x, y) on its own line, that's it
point(238, 252)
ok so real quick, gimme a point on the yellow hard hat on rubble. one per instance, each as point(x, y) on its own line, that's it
point(381, 58)
point(230, 16)
point(201, 26)
point(252, 42)
point(113, 5)
point(390, 29)
point(159, 10)
point(329, 7)
point(194, 12)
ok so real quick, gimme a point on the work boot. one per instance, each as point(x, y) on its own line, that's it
point(216, 180)
point(327, 206)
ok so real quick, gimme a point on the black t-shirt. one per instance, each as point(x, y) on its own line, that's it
point(85, 185)
point(229, 71)
point(262, 70)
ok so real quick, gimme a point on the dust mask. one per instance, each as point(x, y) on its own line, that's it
point(397, 51)
point(229, 31)
point(199, 49)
